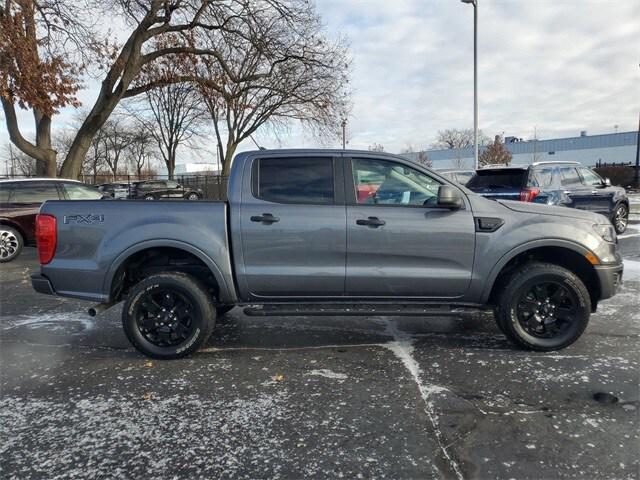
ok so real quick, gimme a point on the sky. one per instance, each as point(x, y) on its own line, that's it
point(554, 66)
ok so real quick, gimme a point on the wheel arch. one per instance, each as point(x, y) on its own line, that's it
point(16, 226)
point(116, 273)
point(564, 253)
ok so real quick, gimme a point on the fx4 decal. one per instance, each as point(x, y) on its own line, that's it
point(83, 219)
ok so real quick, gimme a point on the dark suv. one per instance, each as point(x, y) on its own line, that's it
point(568, 184)
point(20, 201)
point(156, 189)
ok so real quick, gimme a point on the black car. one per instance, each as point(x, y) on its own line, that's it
point(156, 189)
point(460, 176)
point(568, 184)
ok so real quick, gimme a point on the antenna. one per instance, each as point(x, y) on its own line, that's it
point(254, 141)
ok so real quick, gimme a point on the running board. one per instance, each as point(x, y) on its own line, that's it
point(412, 310)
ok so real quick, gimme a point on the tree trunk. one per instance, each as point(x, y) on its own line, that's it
point(228, 157)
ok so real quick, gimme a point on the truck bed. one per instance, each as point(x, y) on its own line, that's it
point(96, 237)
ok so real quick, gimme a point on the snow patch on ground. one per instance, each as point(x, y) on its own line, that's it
point(52, 322)
point(328, 374)
point(631, 270)
point(130, 437)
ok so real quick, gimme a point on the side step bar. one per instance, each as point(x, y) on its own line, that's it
point(414, 310)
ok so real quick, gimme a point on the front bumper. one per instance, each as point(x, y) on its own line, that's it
point(610, 278)
point(41, 284)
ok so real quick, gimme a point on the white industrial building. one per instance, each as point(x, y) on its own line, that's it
point(586, 149)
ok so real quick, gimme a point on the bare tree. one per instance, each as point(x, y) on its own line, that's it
point(172, 115)
point(291, 72)
point(38, 72)
point(141, 150)
point(456, 138)
point(19, 163)
point(116, 138)
point(376, 147)
point(423, 159)
point(495, 153)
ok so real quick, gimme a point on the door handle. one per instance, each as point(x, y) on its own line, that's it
point(371, 222)
point(265, 218)
point(567, 192)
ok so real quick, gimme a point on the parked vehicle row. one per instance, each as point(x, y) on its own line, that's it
point(325, 232)
point(151, 190)
point(566, 184)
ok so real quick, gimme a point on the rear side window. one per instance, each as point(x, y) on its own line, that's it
point(81, 192)
point(34, 193)
point(5, 190)
point(569, 176)
point(499, 178)
point(295, 180)
point(542, 177)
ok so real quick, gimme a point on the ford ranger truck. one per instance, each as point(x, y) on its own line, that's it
point(323, 232)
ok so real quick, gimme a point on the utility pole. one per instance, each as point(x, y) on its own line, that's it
point(344, 134)
point(636, 176)
point(475, 80)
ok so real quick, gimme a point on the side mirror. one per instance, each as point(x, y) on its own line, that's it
point(607, 182)
point(449, 197)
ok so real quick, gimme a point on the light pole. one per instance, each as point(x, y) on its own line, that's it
point(475, 79)
point(636, 175)
point(344, 136)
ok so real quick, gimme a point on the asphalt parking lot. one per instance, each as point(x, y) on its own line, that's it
point(315, 397)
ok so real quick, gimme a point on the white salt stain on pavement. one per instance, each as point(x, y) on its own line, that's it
point(52, 322)
point(402, 347)
point(328, 374)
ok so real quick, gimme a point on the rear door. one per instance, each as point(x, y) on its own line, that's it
point(293, 227)
point(577, 195)
point(399, 244)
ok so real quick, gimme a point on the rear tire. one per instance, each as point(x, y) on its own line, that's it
point(149, 197)
point(193, 196)
point(11, 243)
point(168, 316)
point(543, 307)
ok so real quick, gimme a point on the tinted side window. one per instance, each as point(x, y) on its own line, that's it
point(81, 192)
point(5, 190)
point(172, 184)
point(542, 177)
point(295, 180)
point(34, 193)
point(569, 176)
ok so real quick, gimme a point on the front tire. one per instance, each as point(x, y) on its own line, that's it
point(620, 218)
point(168, 316)
point(11, 243)
point(543, 307)
point(193, 196)
point(149, 197)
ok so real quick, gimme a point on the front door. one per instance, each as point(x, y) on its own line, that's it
point(293, 228)
point(399, 243)
point(600, 197)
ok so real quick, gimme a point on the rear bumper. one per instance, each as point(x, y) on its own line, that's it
point(41, 284)
point(610, 277)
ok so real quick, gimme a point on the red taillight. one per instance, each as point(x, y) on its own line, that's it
point(528, 194)
point(46, 237)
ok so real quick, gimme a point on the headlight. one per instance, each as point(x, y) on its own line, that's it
point(606, 231)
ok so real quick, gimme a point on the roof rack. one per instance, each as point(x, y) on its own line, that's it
point(555, 161)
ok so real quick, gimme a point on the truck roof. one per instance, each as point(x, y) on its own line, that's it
point(38, 179)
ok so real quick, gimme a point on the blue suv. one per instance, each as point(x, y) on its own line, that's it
point(568, 184)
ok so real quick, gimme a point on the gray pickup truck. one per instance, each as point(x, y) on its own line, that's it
point(322, 232)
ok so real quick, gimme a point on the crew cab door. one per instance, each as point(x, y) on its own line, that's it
point(293, 227)
point(399, 243)
point(576, 194)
